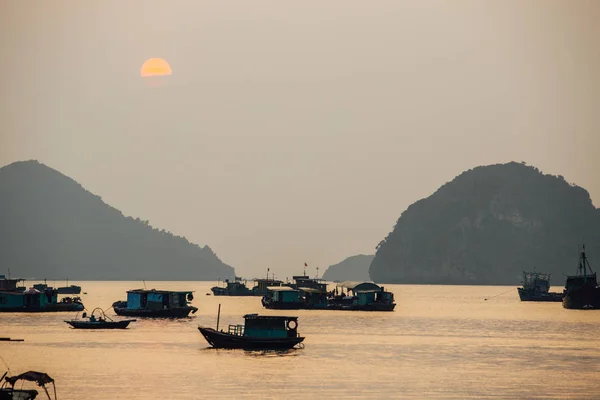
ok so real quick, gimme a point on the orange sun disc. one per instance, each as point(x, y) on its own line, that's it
point(155, 67)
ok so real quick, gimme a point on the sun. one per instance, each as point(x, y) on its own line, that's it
point(155, 67)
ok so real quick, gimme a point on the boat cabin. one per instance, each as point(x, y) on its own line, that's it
point(157, 299)
point(262, 285)
point(9, 285)
point(266, 326)
point(536, 281)
point(303, 281)
point(284, 294)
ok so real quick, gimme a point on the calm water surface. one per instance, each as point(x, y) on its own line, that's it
point(442, 342)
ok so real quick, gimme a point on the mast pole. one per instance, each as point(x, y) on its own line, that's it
point(218, 316)
point(583, 261)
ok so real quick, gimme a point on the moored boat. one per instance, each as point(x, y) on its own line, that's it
point(258, 332)
point(69, 289)
point(581, 290)
point(8, 391)
point(361, 296)
point(102, 321)
point(536, 286)
point(156, 304)
point(39, 298)
point(238, 287)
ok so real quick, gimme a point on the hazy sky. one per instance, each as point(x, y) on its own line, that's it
point(296, 131)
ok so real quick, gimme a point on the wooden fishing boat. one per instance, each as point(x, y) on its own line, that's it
point(258, 332)
point(102, 321)
point(8, 391)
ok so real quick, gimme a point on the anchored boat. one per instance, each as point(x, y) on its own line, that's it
point(536, 286)
point(8, 391)
point(361, 296)
point(156, 304)
point(581, 290)
point(39, 298)
point(98, 320)
point(239, 288)
point(258, 332)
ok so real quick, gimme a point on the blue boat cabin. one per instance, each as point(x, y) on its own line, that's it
point(266, 326)
point(285, 294)
point(157, 299)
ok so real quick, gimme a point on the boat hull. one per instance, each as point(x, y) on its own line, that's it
point(69, 290)
point(585, 298)
point(100, 325)
point(181, 312)
point(366, 307)
point(223, 340)
point(526, 295)
point(329, 306)
point(59, 307)
point(16, 394)
point(218, 291)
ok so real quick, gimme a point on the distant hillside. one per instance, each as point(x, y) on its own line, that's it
point(52, 227)
point(355, 268)
point(488, 225)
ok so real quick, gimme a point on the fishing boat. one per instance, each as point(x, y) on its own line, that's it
point(258, 332)
point(98, 320)
point(536, 286)
point(237, 287)
point(69, 289)
point(8, 391)
point(581, 290)
point(156, 304)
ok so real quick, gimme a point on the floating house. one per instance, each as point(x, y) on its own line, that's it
point(361, 296)
point(15, 299)
point(283, 298)
point(156, 303)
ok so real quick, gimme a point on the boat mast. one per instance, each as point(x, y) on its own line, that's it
point(583, 262)
point(218, 316)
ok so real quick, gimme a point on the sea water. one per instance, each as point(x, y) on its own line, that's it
point(441, 342)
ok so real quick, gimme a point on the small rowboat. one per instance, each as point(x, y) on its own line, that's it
point(102, 321)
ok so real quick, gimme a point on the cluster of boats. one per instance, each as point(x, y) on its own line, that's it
point(305, 293)
point(38, 298)
point(581, 290)
point(258, 331)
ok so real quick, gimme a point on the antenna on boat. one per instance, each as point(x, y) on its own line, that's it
point(268, 269)
point(218, 316)
point(305, 265)
point(317, 272)
point(9, 273)
point(144, 284)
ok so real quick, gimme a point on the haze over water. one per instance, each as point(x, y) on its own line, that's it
point(442, 342)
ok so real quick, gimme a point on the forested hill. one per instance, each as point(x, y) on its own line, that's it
point(51, 227)
point(487, 226)
point(355, 268)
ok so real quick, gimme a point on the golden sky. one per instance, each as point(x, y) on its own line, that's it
point(296, 131)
